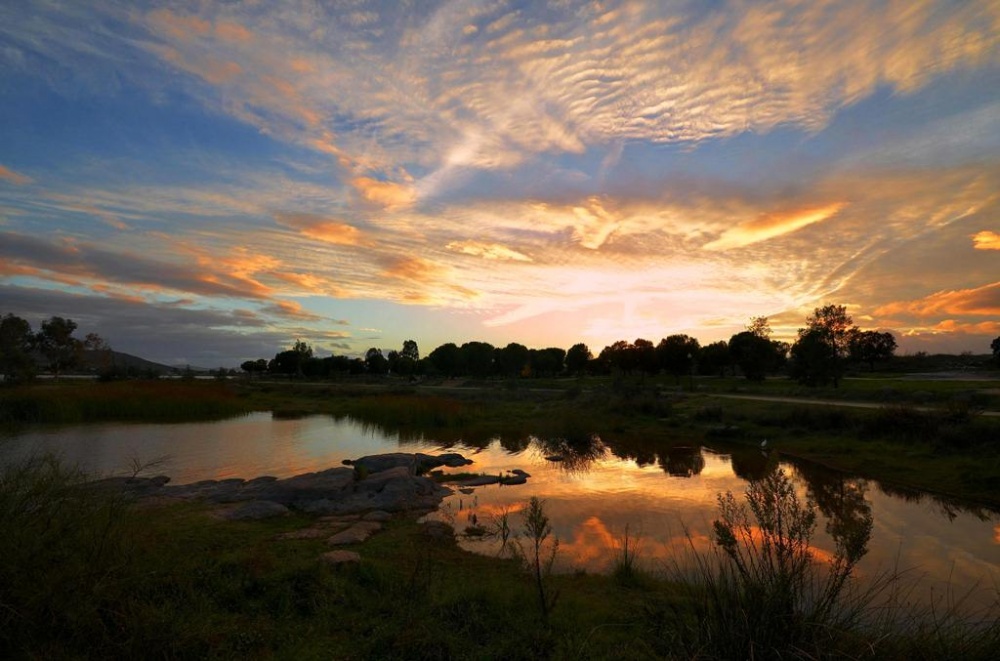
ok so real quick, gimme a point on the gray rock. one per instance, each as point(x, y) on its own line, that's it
point(383, 462)
point(340, 557)
point(256, 510)
point(377, 515)
point(437, 530)
point(356, 534)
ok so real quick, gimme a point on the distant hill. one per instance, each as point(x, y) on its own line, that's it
point(99, 361)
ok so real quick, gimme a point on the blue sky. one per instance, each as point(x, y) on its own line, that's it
point(206, 182)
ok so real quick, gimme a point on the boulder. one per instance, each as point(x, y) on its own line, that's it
point(356, 534)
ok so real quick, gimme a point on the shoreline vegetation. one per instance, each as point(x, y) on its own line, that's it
point(90, 573)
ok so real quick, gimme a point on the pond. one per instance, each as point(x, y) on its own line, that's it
point(665, 498)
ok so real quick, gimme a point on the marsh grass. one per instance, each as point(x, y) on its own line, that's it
point(146, 401)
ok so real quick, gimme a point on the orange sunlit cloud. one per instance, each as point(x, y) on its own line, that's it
point(981, 301)
point(986, 240)
point(772, 225)
point(16, 178)
point(493, 251)
point(386, 193)
point(322, 229)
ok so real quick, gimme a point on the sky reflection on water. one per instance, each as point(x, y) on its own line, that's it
point(665, 497)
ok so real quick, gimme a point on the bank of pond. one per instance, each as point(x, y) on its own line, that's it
point(639, 570)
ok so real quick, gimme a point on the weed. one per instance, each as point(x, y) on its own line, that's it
point(537, 559)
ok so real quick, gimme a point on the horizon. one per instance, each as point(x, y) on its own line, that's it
point(205, 183)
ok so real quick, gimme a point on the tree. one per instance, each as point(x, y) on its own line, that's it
point(813, 364)
point(375, 362)
point(55, 340)
point(577, 358)
point(871, 347)
point(646, 358)
point(621, 356)
point(291, 361)
point(995, 345)
point(410, 351)
point(760, 327)
point(478, 358)
point(446, 359)
point(547, 362)
point(754, 355)
point(814, 359)
point(714, 358)
point(16, 343)
point(513, 360)
point(676, 354)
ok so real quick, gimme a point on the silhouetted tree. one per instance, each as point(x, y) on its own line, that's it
point(577, 358)
point(871, 347)
point(478, 358)
point(547, 362)
point(375, 362)
point(16, 344)
point(446, 359)
point(714, 358)
point(646, 358)
point(410, 350)
point(620, 356)
point(291, 361)
point(408, 359)
point(677, 353)
point(814, 364)
point(512, 360)
point(55, 340)
point(753, 354)
point(995, 346)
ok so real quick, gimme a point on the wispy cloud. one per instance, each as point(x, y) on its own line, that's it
point(986, 240)
point(16, 178)
point(979, 301)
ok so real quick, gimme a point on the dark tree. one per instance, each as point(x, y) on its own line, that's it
point(375, 362)
point(577, 358)
point(446, 359)
point(16, 344)
point(871, 347)
point(291, 361)
point(620, 356)
point(753, 354)
point(814, 360)
point(995, 346)
point(61, 350)
point(713, 359)
point(478, 358)
point(410, 350)
point(408, 359)
point(646, 358)
point(547, 362)
point(677, 353)
point(813, 364)
point(513, 360)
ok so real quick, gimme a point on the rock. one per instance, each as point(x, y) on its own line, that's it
point(304, 533)
point(340, 557)
point(555, 457)
point(256, 510)
point(378, 481)
point(356, 534)
point(510, 480)
point(383, 462)
point(478, 481)
point(466, 490)
point(377, 515)
point(518, 471)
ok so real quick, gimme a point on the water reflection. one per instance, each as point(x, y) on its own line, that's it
point(666, 496)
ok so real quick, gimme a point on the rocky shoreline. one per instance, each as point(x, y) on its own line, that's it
point(388, 483)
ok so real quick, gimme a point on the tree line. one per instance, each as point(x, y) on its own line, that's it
point(53, 347)
point(825, 347)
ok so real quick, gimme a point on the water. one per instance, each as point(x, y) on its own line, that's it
point(666, 498)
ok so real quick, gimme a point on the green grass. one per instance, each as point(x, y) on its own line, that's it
point(136, 401)
point(86, 574)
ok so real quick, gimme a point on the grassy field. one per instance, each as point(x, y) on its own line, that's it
point(85, 573)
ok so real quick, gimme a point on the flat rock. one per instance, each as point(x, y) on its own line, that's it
point(377, 515)
point(305, 533)
point(437, 530)
point(340, 557)
point(356, 534)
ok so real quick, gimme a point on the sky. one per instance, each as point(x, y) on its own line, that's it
point(206, 182)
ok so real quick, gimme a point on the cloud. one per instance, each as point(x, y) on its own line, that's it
point(986, 240)
point(979, 301)
point(322, 229)
point(385, 193)
point(769, 226)
point(291, 310)
point(412, 269)
point(492, 251)
point(16, 178)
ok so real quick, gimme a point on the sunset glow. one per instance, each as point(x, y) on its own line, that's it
point(205, 182)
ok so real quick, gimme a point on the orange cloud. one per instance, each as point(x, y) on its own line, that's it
point(322, 229)
point(181, 28)
point(233, 32)
point(385, 193)
point(15, 178)
point(310, 283)
point(411, 268)
point(986, 240)
point(291, 309)
point(488, 251)
point(769, 226)
point(983, 301)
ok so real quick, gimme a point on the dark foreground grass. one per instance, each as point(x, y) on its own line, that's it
point(145, 401)
point(86, 574)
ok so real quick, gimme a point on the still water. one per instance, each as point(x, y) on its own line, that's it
point(666, 498)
